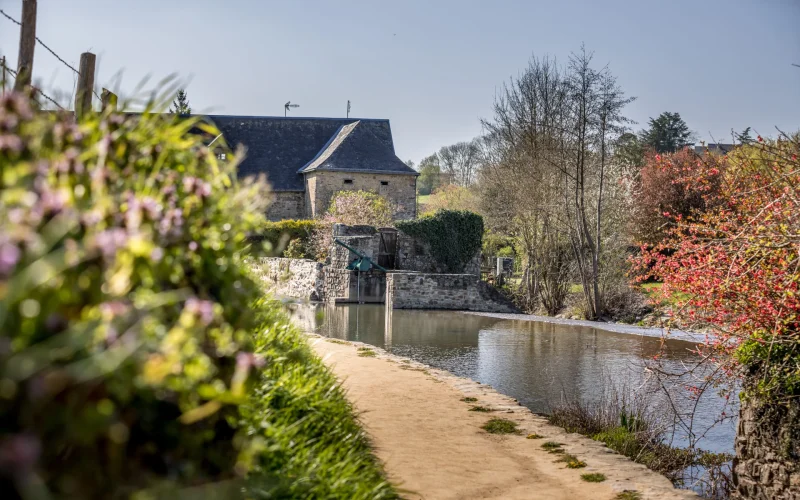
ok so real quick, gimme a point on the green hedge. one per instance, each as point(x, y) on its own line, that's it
point(281, 233)
point(137, 353)
point(453, 235)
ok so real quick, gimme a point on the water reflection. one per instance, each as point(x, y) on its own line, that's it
point(537, 363)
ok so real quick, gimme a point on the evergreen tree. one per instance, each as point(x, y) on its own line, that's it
point(667, 133)
point(180, 105)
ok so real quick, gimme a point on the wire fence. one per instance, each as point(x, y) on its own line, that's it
point(60, 59)
point(4, 67)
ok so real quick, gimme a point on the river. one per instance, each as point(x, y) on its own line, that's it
point(539, 363)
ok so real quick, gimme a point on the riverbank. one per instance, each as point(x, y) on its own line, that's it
point(433, 446)
point(602, 325)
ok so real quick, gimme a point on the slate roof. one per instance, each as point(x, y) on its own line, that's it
point(280, 147)
point(355, 148)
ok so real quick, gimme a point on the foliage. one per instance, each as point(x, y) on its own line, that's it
point(450, 197)
point(500, 426)
point(667, 134)
point(138, 352)
point(351, 208)
point(454, 236)
point(180, 105)
point(430, 175)
point(664, 192)
point(629, 152)
point(284, 234)
point(594, 477)
point(736, 267)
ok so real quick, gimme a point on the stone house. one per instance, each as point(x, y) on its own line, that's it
point(308, 160)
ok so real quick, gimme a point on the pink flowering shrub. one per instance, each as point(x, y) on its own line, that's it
point(136, 352)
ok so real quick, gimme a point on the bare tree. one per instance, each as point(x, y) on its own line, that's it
point(552, 132)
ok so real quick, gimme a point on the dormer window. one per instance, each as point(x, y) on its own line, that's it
point(348, 181)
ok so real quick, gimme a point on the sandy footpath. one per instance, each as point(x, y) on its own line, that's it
point(433, 447)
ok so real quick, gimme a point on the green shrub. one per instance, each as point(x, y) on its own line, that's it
point(136, 352)
point(289, 238)
point(500, 426)
point(593, 477)
point(454, 236)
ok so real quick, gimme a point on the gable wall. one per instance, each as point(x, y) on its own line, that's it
point(287, 205)
point(401, 190)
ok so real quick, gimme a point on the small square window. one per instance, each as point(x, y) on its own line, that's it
point(221, 156)
point(384, 183)
point(348, 181)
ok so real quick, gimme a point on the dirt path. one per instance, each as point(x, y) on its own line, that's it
point(433, 447)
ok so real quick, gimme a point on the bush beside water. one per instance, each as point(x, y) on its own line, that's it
point(137, 354)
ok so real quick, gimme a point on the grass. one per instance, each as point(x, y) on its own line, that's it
point(337, 341)
point(366, 352)
point(594, 477)
point(469, 399)
point(534, 436)
point(500, 426)
point(552, 447)
point(301, 413)
point(628, 495)
point(422, 199)
point(572, 461)
point(480, 408)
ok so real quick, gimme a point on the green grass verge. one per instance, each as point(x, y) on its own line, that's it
point(311, 444)
point(500, 426)
point(594, 477)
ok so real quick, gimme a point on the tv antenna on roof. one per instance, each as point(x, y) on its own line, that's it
point(287, 106)
point(348, 108)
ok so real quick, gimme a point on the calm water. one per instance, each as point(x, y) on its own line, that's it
point(538, 363)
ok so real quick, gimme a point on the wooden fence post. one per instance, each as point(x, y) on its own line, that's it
point(83, 96)
point(27, 42)
point(109, 99)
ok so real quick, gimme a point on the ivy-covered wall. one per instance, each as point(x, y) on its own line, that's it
point(452, 237)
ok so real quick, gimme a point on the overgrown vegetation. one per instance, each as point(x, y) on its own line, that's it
point(289, 238)
point(593, 477)
point(631, 427)
point(500, 426)
point(454, 236)
point(139, 356)
point(571, 461)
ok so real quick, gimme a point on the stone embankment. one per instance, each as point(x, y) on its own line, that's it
point(426, 426)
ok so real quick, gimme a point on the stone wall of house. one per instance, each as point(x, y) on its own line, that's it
point(287, 205)
point(464, 292)
point(299, 278)
point(767, 463)
point(399, 189)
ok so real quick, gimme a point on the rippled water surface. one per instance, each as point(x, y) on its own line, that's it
point(538, 363)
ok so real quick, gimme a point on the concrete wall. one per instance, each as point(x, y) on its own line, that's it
point(767, 463)
point(463, 292)
point(299, 278)
point(401, 190)
point(287, 205)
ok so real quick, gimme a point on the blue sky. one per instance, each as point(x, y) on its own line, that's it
point(432, 67)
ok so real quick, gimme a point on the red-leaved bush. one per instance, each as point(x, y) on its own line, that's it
point(735, 266)
point(674, 185)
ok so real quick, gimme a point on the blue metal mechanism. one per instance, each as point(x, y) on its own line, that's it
point(362, 263)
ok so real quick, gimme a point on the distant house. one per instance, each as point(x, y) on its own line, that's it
point(714, 148)
point(308, 160)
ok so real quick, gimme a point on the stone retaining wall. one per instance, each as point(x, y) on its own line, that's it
point(463, 292)
point(767, 463)
point(299, 278)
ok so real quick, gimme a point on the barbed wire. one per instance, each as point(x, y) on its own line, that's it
point(36, 89)
point(65, 63)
